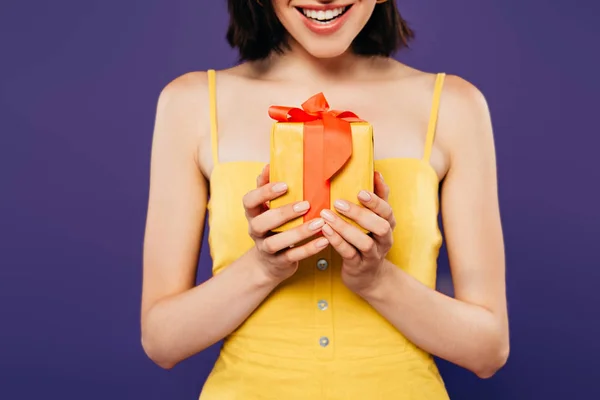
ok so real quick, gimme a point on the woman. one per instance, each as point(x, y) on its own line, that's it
point(342, 315)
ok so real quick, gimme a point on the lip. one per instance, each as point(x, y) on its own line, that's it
point(324, 29)
point(323, 7)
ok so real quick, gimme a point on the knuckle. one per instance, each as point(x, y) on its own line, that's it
point(288, 257)
point(349, 253)
point(247, 200)
point(262, 191)
point(389, 212)
point(392, 223)
point(378, 203)
point(255, 227)
point(368, 246)
point(379, 231)
point(302, 232)
point(266, 192)
point(385, 218)
point(268, 247)
point(307, 251)
point(252, 225)
point(336, 240)
point(383, 228)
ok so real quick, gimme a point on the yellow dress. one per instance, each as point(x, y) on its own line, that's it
point(312, 338)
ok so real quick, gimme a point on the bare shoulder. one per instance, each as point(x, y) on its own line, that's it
point(464, 125)
point(187, 90)
point(464, 116)
point(462, 105)
point(464, 122)
point(460, 94)
point(181, 113)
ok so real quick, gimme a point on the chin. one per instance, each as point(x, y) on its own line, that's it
point(324, 50)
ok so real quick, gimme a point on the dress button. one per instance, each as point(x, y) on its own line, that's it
point(322, 305)
point(322, 264)
point(324, 341)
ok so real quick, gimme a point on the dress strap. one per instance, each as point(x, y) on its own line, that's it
point(212, 93)
point(437, 91)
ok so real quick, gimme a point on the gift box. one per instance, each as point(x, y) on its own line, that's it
point(322, 155)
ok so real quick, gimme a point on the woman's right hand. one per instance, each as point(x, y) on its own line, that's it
point(277, 253)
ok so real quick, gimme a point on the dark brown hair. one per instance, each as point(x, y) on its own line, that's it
point(256, 32)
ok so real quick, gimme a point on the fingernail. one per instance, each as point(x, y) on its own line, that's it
point(316, 224)
point(328, 215)
point(380, 176)
point(279, 187)
point(364, 195)
point(341, 205)
point(327, 229)
point(322, 242)
point(302, 206)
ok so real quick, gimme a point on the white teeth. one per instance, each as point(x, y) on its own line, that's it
point(323, 16)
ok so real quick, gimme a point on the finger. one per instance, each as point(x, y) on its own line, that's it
point(291, 237)
point(344, 249)
point(380, 207)
point(350, 233)
point(261, 180)
point(368, 218)
point(254, 199)
point(380, 187)
point(263, 177)
point(306, 250)
point(275, 217)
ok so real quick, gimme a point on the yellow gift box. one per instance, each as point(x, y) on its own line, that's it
point(322, 155)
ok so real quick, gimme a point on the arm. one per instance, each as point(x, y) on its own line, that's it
point(470, 330)
point(178, 319)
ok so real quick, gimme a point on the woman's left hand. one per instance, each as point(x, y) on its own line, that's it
point(363, 254)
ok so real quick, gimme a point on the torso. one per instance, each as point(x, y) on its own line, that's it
point(280, 347)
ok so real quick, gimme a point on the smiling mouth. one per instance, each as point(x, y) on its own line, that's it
point(322, 16)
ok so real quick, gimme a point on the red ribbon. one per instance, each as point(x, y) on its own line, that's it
point(327, 141)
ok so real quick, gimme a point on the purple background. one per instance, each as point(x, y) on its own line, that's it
point(79, 83)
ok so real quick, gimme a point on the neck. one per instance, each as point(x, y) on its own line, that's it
point(297, 64)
